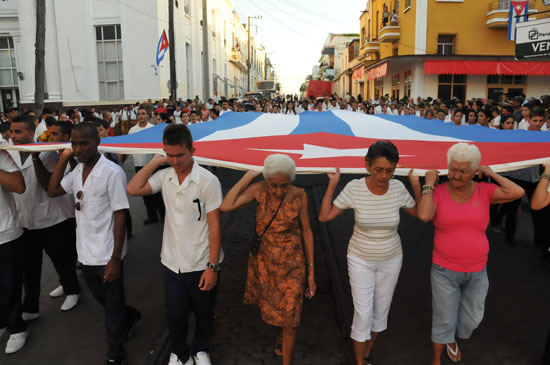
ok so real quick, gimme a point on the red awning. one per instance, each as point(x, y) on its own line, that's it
point(464, 67)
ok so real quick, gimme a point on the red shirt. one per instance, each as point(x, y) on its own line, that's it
point(460, 242)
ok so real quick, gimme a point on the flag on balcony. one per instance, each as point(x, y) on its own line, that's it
point(318, 142)
point(162, 48)
point(518, 13)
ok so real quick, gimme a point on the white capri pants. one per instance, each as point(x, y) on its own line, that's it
point(372, 286)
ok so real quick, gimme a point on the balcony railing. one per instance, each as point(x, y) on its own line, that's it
point(505, 5)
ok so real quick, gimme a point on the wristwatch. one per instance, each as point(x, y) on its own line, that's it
point(213, 267)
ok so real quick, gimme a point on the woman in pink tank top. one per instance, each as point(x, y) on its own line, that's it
point(460, 213)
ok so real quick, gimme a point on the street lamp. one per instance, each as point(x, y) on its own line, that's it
point(248, 62)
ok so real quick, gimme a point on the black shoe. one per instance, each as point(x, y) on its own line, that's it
point(150, 221)
point(134, 321)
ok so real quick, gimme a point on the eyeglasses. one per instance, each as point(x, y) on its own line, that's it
point(78, 203)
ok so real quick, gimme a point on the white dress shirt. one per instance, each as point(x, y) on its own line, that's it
point(523, 125)
point(41, 128)
point(10, 228)
point(36, 209)
point(185, 242)
point(103, 193)
point(141, 160)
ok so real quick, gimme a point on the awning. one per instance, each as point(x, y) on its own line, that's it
point(465, 67)
point(377, 72)
point(358, 73)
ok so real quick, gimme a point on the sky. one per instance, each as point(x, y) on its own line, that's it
point(294, 31)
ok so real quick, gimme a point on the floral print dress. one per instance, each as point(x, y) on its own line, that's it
point(276, 275)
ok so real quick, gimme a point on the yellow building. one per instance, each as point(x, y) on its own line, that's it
point(445, 49)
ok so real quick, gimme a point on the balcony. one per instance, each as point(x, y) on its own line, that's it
point(389, 34)
point(497, 17)
point(238, 60)
point(329, 74)
point(371, 46)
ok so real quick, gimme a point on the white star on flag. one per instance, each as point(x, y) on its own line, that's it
point(310, 151)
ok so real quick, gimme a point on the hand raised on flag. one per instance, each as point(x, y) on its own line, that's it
point(334, 177)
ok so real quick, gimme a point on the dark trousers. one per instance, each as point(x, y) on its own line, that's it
point(546, 356)
point(11, 286)
point(118, 316)
point(540, 217)
point(59, 242)
point(153, 203)
point(183, 296)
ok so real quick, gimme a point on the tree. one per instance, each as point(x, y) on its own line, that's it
point(39, 52)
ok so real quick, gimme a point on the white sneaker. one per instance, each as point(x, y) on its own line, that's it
point(16, 342)
point(29, 316)
point(174, 360)
point(57, 292)
point(70, 302)
point(202, 358)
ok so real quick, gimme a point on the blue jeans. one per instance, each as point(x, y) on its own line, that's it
point(458, 302)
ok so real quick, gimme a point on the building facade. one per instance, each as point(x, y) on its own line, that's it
point(443, 49)
point(101, 52)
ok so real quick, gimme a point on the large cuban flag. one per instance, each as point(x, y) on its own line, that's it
point(319, 142)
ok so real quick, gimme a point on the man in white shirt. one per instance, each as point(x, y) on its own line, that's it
point(11, 256)
point(98, 187)
point(153, 203)
point(333, 104)
point(191, 245)
point(47, 223)
point(225, 107)
point(42, 127)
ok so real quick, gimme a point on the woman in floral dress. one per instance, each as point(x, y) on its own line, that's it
point(277, 273)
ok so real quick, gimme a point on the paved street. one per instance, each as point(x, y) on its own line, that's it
point(516, 321)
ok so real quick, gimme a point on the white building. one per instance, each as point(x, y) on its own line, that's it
point(104, 51)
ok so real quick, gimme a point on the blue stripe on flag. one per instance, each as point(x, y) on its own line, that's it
point(327, 122)
point(149, 135)
point(229, 120)
point(474, 133)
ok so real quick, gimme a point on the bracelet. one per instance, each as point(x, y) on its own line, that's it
point(310, 264)
point(35, 159)
point(116, 258)
point(545, 176)
point(428, 189)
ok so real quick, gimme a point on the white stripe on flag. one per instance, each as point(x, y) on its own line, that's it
point(379, 128)
point(264, 125)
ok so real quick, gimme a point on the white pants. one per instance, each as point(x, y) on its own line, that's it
point(372, 286)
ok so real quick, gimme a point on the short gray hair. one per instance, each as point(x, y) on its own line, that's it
point(464, 152)
point(279, 164)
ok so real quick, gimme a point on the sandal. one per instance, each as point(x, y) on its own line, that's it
point(368, 361)
point(455, 355)
point(278, 350)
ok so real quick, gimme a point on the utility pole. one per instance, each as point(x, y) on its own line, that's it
point(172, 41)
point(205, 53)
point(39, 51)
point(248, 63)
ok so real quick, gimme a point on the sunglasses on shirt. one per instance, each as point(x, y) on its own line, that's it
point(78, 205)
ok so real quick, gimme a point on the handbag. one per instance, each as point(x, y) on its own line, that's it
point(257, 239)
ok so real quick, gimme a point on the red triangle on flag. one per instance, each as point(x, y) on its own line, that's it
point(164, 42)
point(519, 6)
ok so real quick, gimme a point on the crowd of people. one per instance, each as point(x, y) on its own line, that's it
point(78, 197)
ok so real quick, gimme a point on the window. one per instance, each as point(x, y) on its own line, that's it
point(395, 51)
point(187, 6)
point(445, 44)
point(363, 36)
point(395, 84)
point(407, 4)
point(8, 65)
point(451, 86)
point(109, 62)
point(378, 87)
point(498, 85)
point(407, 84)
point(213, 21)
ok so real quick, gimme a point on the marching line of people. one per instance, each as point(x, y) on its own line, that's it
point(78, 196)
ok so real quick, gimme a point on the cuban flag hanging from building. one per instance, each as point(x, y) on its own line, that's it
point(519, 11)
point(162, 48)
point(319, 142)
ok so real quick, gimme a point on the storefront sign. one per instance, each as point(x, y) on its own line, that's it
point(377, 72)
point(357, 74)
point(533, 39)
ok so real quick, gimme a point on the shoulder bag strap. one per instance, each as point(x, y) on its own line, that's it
point(273, 218)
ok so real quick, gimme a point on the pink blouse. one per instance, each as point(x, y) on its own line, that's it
point(460, 242)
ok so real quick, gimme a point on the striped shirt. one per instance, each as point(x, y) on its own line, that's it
point(375, 235)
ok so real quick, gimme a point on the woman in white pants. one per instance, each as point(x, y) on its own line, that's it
point(374, 251)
